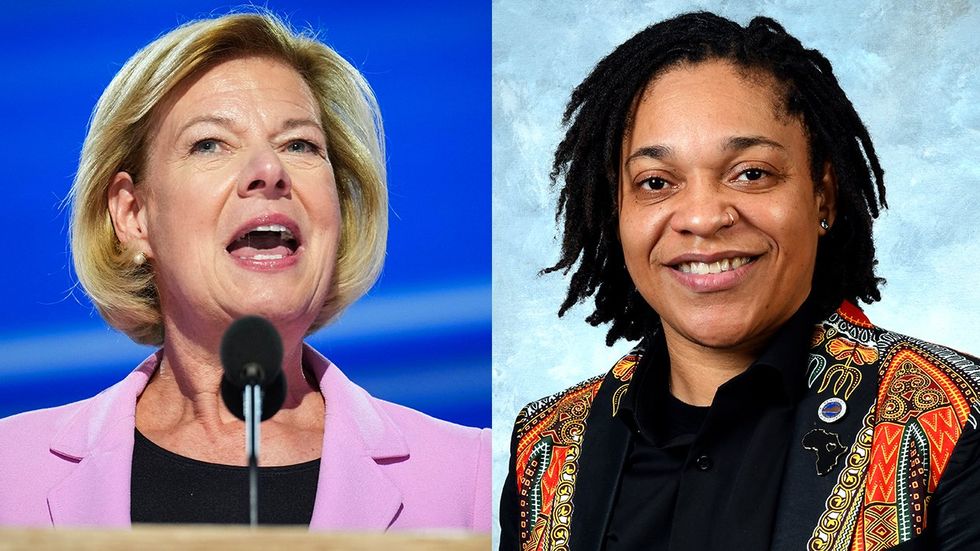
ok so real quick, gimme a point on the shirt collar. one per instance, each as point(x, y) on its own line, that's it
point(784, 357)
point(788, 350)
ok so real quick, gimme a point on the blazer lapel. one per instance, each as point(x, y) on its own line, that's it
point(97, 493)
point(604, 447)
point(843, 364)
point(353, 492)
point(99, 440)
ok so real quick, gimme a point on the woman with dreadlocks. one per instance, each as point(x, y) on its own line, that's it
point(717, 193)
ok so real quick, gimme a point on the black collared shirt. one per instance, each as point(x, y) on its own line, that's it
point(708, 478)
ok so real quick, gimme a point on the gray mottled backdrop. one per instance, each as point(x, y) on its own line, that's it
point(911, 69)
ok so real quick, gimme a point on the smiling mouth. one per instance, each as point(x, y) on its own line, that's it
point(267, 242)
point(717, 267)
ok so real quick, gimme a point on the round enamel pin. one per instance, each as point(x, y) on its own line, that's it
point(832, 410)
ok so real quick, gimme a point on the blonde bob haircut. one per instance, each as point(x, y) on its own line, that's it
point(118, 137)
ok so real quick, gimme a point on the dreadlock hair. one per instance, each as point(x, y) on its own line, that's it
point(598, 116)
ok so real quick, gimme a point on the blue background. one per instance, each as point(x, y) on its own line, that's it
point(421, 337)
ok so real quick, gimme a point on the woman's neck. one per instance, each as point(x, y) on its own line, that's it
point(181, 408)
point(697, 371)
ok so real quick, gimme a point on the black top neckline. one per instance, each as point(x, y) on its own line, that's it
point(170, 488)
point(154, 448)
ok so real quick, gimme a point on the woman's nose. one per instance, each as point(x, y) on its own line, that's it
point(265, 174)
point(702, 208)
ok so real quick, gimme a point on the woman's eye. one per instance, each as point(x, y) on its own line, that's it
point(209, 145)
point(752, 174)
point(302, 146)
point(654, 184)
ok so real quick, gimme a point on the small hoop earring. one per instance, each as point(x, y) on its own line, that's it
point(824, 224)
point(140, 258)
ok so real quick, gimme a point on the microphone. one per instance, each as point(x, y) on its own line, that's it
point(253, 383)
point(251, 354)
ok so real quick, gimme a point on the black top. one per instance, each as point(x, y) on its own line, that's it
point(708, 478)
point(170, 488)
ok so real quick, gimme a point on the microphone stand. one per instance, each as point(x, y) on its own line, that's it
point(252, 401)
point(253, 387)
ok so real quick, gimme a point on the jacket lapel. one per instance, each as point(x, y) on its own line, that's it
point(95, 494)
point(843, 363)
point(604, 447)
point(353, 491)
point(99, 439)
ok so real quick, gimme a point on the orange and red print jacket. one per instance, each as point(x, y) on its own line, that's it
point(908, 474)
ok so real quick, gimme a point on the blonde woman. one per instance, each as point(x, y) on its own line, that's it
point(233, 167)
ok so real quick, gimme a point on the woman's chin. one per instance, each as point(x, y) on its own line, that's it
point(271, 300)
point(296, 318)
point(720, 333)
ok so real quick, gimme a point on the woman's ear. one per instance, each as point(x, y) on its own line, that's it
point(128, 215)
point(826, 190)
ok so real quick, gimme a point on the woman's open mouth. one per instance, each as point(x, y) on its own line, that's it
point(266, 242)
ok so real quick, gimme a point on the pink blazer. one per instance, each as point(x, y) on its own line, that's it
point(384, 466)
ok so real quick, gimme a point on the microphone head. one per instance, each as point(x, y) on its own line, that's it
point(251, 353)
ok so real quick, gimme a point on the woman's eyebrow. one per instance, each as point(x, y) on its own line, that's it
point(651, 152)
point(290, 124)
point(217, 120)
point(739, 143)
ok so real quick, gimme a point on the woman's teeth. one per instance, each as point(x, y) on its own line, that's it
point(702, 268)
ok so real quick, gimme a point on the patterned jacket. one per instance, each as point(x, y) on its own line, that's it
point(910, 405)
